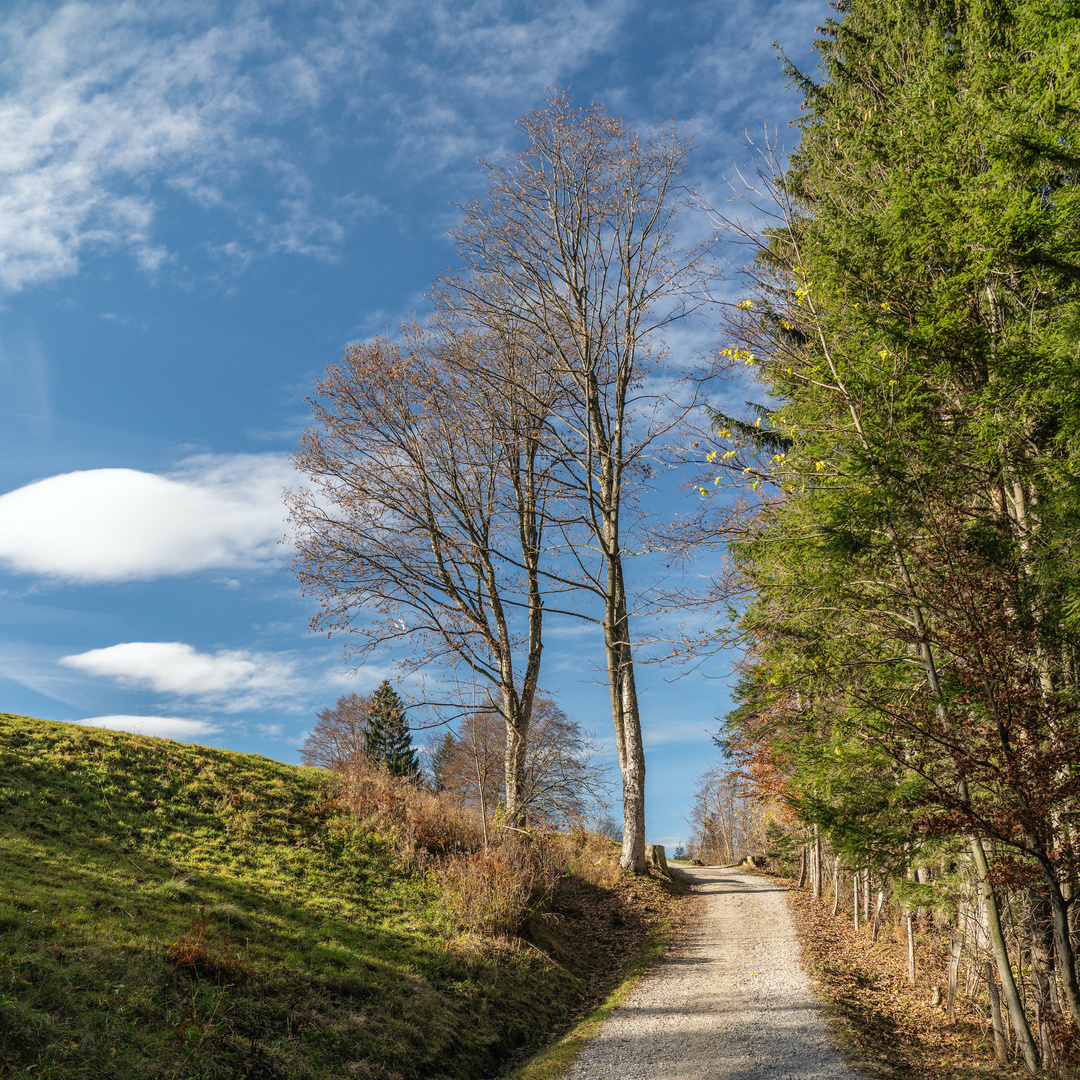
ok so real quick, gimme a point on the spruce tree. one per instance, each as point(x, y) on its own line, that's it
point(389, 741)
point(915, 588)
point(441, 760)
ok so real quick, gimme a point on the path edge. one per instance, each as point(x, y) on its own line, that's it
point(554, 1061)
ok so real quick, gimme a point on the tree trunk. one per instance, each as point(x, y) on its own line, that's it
point(1001, 1044)
point(1001, 958)
point(632, 856)
point(877, 914)
point(1041, 931)
point(836, 885)
point(1062, 939)
point(514, 763)
point(910, 947)
point(624, 707)
point(817, 863)
point(1047, 1044)
point(954, 970)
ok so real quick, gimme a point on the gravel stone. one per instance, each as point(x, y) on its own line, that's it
point(728, 1000)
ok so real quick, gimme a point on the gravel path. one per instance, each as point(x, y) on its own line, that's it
point(729, 1000)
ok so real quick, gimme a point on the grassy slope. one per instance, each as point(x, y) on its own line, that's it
point(314, 956)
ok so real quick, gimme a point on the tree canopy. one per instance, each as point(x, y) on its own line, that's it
point(389, 742)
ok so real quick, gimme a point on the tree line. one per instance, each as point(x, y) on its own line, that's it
point(363, 729)
point(907, 583)
point(564, 782)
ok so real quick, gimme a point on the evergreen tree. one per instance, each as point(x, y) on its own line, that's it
point(441, 760)
point(389, 741)
point(914, 585)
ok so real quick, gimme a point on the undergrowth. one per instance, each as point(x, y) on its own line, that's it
point(172, 910)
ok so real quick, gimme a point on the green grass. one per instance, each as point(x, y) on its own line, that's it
point(176, 911)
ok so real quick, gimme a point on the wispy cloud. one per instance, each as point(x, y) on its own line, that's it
point(214, 512)
point(112, 109)
point(24, 374)
point(473, 66)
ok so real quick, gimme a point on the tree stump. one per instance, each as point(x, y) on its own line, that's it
point(655, 856)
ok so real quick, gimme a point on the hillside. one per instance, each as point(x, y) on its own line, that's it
point(174, 910)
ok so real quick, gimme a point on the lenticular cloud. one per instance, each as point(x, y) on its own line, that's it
point(233, 680)
point(163, 727)
point(121, 524)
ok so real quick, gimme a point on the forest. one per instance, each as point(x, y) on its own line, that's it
point(903, 576)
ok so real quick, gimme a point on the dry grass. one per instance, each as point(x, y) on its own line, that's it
point(194, 955)
point(888, 1028)
point(423, 825)
point(494, 888)
point(497, 891)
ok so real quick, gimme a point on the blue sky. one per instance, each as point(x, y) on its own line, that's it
point(201, 205)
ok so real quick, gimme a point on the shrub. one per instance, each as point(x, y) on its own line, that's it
point(193, 955)
point(490, 890)
point(424, 825)
point(593, 857)
point(497, 890)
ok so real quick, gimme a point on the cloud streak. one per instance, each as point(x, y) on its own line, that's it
point(112, 109)
point(105, 525)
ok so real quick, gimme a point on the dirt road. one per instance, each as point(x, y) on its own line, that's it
point(729, 1000)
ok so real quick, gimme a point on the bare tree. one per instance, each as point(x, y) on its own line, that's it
point(564, 783)
point(575, 242)
point(338, 740)
point(725, 820)
point(424, 522)
point(473, 763)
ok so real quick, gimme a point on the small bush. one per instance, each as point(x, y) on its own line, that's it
point(192, 955)
point(440, 826)
point(492, 890)
point(495, 892)
point(593, 858)
point(424, 825)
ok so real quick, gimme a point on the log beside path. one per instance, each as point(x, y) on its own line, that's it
point(729, 999)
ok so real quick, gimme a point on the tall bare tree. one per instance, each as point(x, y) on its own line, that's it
point(423, 524)
point(564, 783)
point(575, 241)
point(339, 738)
point(726, 821)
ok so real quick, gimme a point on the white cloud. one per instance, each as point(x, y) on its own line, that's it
point(163, 727)
point(110, 109)
point(232, 680)
point(121, 524)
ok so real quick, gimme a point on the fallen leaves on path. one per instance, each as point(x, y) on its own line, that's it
point(888, 1028)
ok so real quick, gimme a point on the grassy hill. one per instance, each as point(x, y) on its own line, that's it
point(172, 910)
